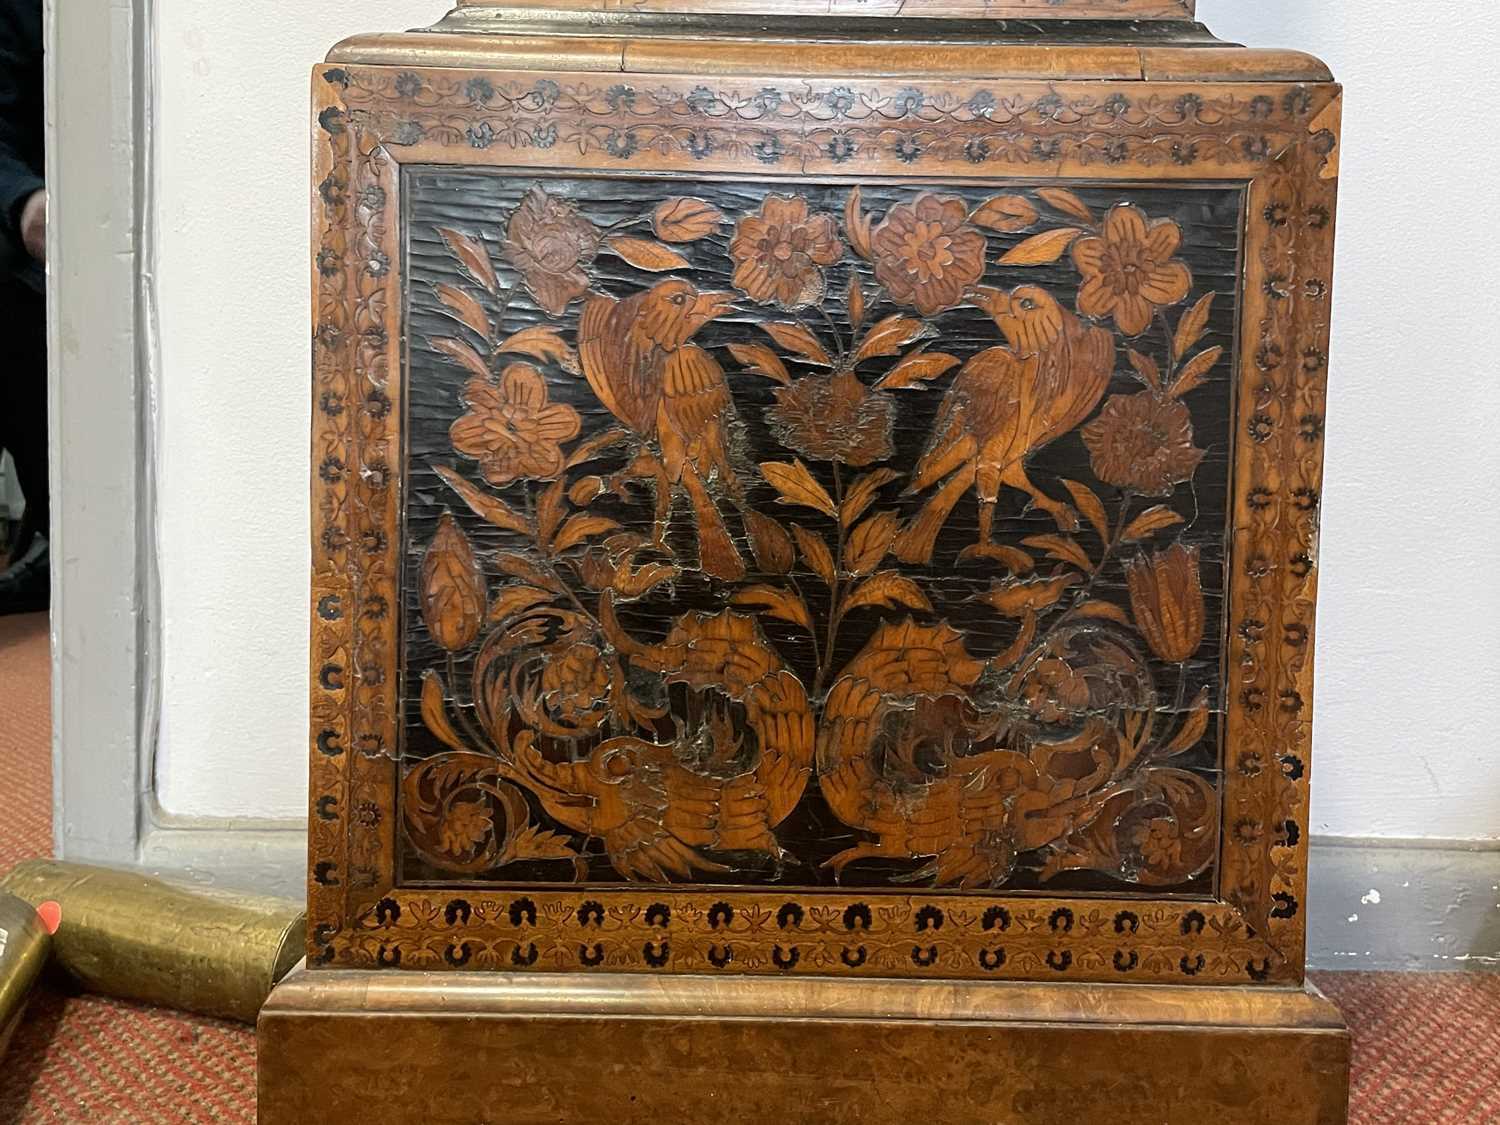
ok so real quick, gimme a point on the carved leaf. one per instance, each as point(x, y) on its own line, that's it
point(798, 486)
point(1061, 547)
point(596, 445)
point(1068, 203)
point(770, 543)
point(682, 219)
point(780, 604)
point(435, 711)
point(1150, 522)
point(646, 253)
point(1007, 214)
point(464, 308)
point(816, 552)
point(482, 504)
point(864, 493)
point(585, 490)
point(533, 842)
point(638, 583)
point(519, 566)
point(761, 360)
point(1195, 372)
point(550, 509)
point(1041, 249)
point(889, 336)
point(458, 350)
point(453, 589)
point(1146, 368)
point(1103, 611)
point(916, 369)
point(543, 343)
point(1090, 505)
point(517, 599)
point(475, 259)
point(890, 590)
point(870, 542)
point(1192, 731)
point(1191, 327)
point(799, 341)
point(1019, 597)
point(858, 225)
point(856, 301)
point(581, 527)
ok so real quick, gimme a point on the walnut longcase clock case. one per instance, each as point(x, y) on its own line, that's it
point(788, 501)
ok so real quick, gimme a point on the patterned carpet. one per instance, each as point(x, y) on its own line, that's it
point(1426, 1045)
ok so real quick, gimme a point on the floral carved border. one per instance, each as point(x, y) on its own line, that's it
point(371, 120)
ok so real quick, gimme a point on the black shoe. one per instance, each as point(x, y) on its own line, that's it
point(26, 585)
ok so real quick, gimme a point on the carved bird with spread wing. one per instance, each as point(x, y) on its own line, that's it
point(657, 807)
point(637, 357)
point(1004, 405)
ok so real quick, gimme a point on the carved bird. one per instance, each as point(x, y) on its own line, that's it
point(658, 806)
point(1004, 405)
point(637, 357)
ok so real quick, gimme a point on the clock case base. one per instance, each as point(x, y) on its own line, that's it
point(575, 1049)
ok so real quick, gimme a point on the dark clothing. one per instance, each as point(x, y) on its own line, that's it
point(22, 125)
point(23, 363)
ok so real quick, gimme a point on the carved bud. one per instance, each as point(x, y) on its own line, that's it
point(1166, 595)
point(453, 589)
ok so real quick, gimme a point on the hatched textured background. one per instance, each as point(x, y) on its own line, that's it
point(1425, 1044)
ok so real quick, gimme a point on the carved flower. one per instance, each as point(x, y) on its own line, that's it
point(1143, 443)
point(574, 683)
point(511, 429)
point(551, 243)
point(1130, 271)
point(1166, 596)
point(779, 252)
point(927, 253)
point(834, 418)
point(464, 828)
point(1159, 843)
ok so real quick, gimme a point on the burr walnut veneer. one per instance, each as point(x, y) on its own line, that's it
point(814, 558)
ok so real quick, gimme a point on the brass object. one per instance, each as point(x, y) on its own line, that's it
point(538, 1049)
point(130, 935)
point(24, 946)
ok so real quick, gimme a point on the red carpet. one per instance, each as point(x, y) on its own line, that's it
point(1427, 1046)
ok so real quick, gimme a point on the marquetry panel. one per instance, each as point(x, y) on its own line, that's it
point(835, 527)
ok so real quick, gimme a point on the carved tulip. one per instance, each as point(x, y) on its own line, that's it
point(1166, 594)
point(453, 589)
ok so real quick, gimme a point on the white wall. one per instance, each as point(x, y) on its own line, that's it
point(232, 218)
point(1409, 693)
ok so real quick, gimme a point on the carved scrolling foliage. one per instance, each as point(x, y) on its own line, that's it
point(575, 736)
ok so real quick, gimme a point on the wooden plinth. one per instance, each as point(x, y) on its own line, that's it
point(625, 1049)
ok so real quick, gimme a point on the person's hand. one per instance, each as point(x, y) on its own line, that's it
point(34, 225)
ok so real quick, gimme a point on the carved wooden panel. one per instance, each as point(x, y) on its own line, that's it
point(841, 529)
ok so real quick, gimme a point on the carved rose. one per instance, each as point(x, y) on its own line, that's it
point(1143, 443)
point(453, 589)
point(511, 429)
point(1166, 595)
point(1159, 843)
point(1129, 272)
point(779, 252)
point(551, 243)
point(574, 684)
point(464, 829)
point(834, 418)
point(927, 253)
point(1055, 691)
